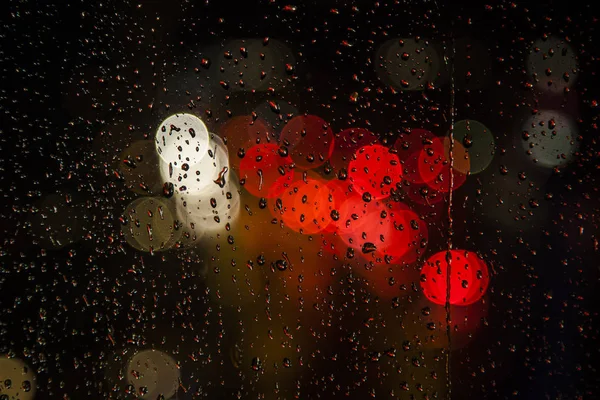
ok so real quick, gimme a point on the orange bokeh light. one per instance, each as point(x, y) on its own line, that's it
point(304, 206)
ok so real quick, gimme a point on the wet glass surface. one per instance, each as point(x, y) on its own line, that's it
point(311, 200)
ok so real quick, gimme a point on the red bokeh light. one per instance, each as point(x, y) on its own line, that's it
point(407, 237)
point(338, 193)
point(265, 172)
point(374, 170)
point(379, 230)
point(409, 147)
point(469, 278)
point(431, 160)
point(434, 165)
point(360, 223)
point(309, 140)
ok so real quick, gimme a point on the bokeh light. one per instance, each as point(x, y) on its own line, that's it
point(305, 205)
point(148, 224)
point(469, 277)
point(374, 170)
point(181, 139)
point(478, 142)
point(17, 380)
point(435, 164)
point(408, 147)
point(550, 139)
point(266, 170)
point(153, 374)
point(552, 63)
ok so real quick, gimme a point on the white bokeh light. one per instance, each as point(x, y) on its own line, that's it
point(553, 63)
point(191, 168)
point(552, 138)
point(17, 380)
point(478, 142)
point(210, 210)
point(153, 373)
point(181, 139)
point(210, 207)
point(206, 191)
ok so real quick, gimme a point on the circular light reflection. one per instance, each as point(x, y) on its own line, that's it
point(478, 143)
point(305, 206)
point(408, 147)
point(374, 170)
point(389, 231)
point(212, 209)
point(407, 237)
point(435, 167)
point(242, 132)
point(469, 277)
point(148, 224)
point(182, 139)
point(553, 64)
point(266, 170)
point(362, 225)
point(153, 373)
point(193, 178)
point(17, 380)
point(550, 138)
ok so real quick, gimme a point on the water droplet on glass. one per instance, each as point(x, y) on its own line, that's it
point(335, 215)
point(368, 247)
point(281, 265)
point(168, 190)
point(256, 364)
